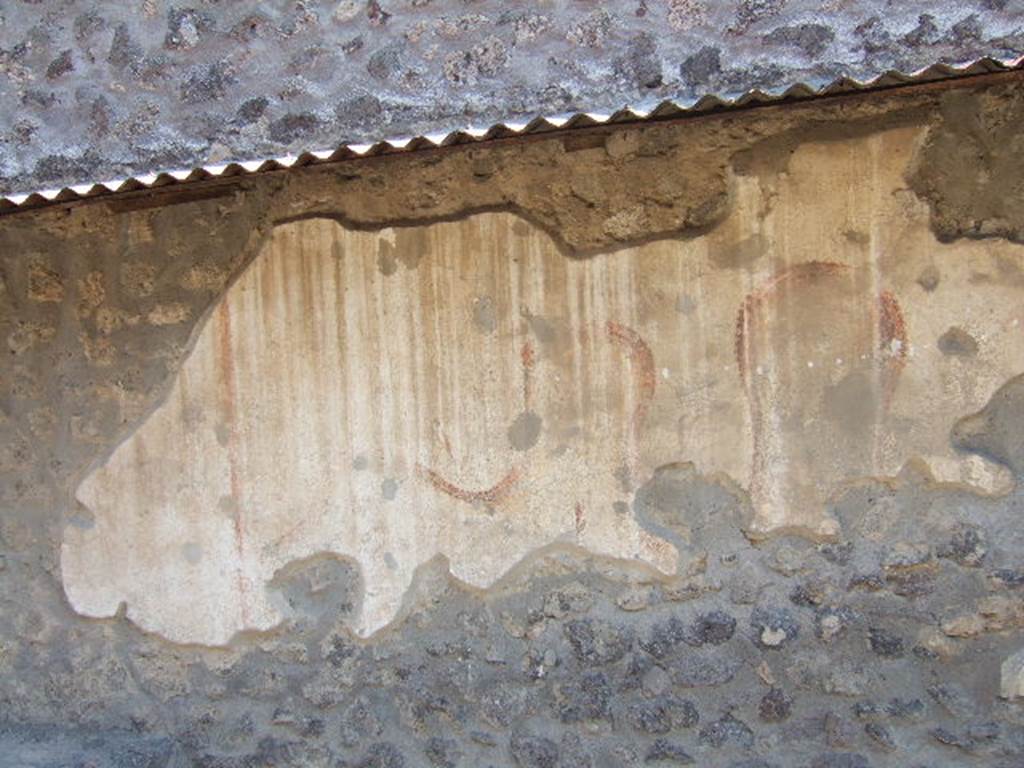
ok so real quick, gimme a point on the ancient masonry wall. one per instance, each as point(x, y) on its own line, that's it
point(690, 442)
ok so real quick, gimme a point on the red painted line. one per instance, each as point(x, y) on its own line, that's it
point(493, 495)
point(529, 358)
point(642, 358)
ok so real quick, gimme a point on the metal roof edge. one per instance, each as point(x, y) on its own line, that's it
point(540, 124)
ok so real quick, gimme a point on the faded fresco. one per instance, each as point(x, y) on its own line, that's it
point(465, 390)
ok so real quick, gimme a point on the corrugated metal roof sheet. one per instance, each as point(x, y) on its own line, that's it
point(502, 130)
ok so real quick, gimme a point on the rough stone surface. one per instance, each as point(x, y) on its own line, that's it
point(882, 640)
point(976, 131)
point(95, 89)
point(1011, 684)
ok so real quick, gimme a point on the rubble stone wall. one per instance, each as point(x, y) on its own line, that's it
point(94, 90)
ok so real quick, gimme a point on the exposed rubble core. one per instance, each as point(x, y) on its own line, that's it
point(976, 131)
point(890, 637)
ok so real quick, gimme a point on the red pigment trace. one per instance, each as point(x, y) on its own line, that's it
point(642, 358)
point(891, 327)
point(493, 495)
point(529, 357)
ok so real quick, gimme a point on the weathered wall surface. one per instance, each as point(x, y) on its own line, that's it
point(92, 90)
point(695, 442)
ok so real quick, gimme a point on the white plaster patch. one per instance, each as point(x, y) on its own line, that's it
point(336, 402)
